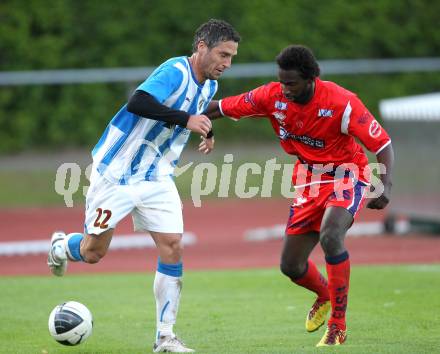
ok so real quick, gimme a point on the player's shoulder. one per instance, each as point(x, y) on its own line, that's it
point(336, 93)
point(273, 87)
point(173, 69)
point(175, 64)
point(271, 90)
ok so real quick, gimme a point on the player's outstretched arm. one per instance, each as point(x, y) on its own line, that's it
point(213, 111)
point(145, 105)
point(385, 157)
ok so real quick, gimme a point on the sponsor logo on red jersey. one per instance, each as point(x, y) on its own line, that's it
point(279, 116)
point(375, 129)
point(248, 98)
point(322, 112)
point(282, 106)
point(304, 139)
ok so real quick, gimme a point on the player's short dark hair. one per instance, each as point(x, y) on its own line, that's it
point(213, 32)
point(300, 58)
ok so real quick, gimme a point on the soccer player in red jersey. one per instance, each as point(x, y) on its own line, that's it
point(319, 122)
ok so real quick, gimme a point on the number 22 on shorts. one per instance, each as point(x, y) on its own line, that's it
point(105, 215)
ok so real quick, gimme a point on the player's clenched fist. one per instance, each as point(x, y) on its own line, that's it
point(199, 124)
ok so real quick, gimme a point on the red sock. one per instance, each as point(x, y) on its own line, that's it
point(338, 284)
point(314, 281)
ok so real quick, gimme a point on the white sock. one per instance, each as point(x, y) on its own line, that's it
point(167, 290)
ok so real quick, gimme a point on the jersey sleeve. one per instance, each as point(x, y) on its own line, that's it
point(249, 104)
point(163, 82)
point(360, 123)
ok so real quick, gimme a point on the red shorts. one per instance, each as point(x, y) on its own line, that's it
point(307, 210)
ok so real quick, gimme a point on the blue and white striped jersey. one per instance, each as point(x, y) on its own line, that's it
point(135, 148)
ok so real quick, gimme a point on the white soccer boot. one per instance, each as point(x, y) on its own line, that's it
point(171, 344)
point(57, 257)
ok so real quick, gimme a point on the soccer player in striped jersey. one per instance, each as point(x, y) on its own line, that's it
point(133, 166)
point(319, 122)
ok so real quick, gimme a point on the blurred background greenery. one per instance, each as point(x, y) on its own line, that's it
point(38, 34)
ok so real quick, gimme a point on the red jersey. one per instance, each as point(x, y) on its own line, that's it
point(323, 131)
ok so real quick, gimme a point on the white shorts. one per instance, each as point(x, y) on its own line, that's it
point(154, 205)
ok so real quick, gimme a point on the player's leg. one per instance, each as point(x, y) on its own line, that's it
point(338, 217)
point(106, 204)
point(167, 289)
point(77, 247)
point(335, 223)
point(296, 265)
point(160, 213)
point(88, 248)
point(299, 242)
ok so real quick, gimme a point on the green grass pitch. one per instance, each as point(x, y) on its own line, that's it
point(392, 309)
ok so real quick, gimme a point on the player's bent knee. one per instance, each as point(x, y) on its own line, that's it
point(92, 257)
point(293, 271)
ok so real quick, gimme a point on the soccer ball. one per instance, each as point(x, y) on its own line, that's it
point(70, 323)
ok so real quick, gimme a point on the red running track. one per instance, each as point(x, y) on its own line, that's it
point(219, 226)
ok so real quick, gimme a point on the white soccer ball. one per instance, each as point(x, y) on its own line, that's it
point(70, 323)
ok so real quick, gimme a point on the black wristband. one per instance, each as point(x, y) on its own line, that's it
point(210, 134)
